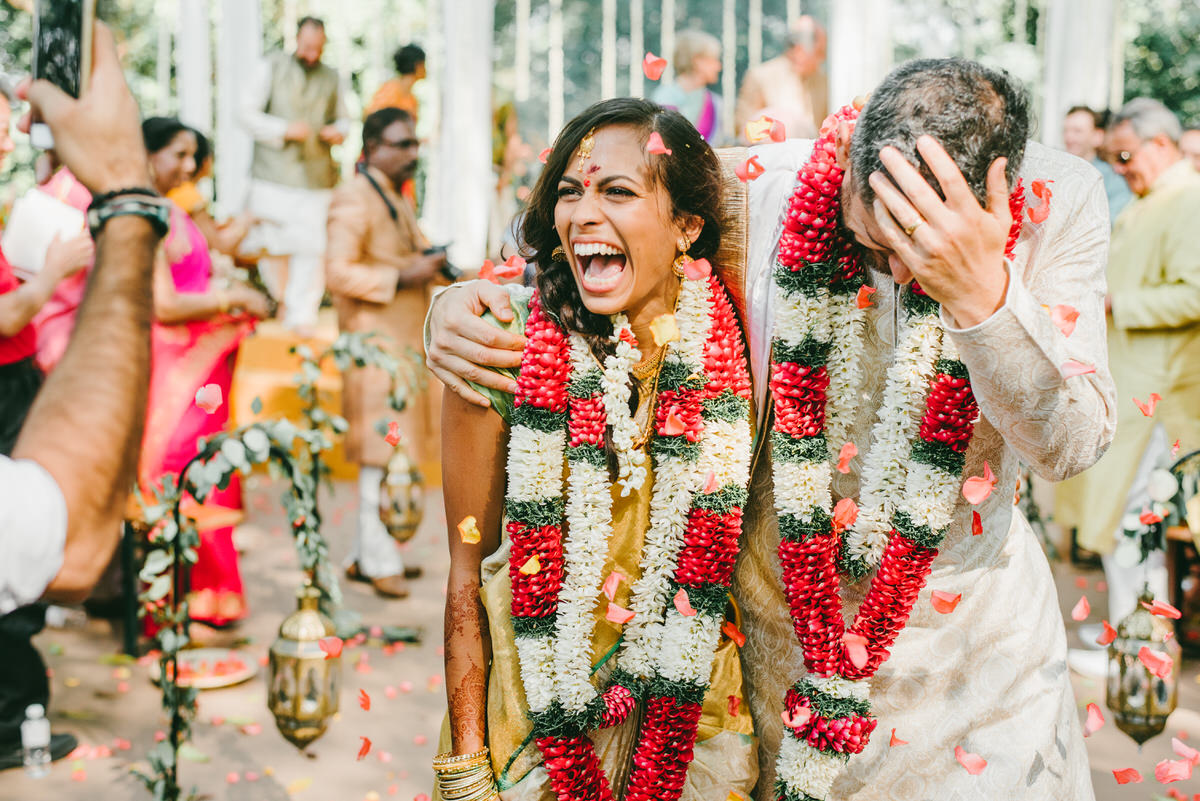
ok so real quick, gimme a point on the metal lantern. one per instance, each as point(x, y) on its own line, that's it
point(1140, 700)
point(304, 683)
point(401, 496)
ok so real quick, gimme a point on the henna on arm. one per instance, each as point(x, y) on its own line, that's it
point(474, 446)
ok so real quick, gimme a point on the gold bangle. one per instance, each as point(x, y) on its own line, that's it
point(472, 792)
point(448, 759)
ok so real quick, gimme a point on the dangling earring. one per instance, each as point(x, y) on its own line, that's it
point(558, 254)
point(683, 259)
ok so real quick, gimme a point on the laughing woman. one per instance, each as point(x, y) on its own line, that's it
point(587, 650)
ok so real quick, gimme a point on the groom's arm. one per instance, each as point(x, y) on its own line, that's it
point(461, 347)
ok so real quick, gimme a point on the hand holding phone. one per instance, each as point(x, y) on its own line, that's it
point(62, 52)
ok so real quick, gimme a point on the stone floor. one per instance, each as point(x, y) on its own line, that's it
point(238, 755)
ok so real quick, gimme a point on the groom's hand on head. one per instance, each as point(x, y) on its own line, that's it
point(462, 346)
point(956, 249)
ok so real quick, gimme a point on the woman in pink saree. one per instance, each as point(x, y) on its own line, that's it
point(200, 319)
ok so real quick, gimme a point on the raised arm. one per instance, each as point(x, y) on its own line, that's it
point(460, 347)
point(474, 444)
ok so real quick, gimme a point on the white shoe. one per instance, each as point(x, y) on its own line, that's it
point(1092, 664)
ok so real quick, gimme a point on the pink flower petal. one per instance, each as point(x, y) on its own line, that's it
point(1108, 635)
point(974, 763)
point(797, 719)
point(730, 630)
point(697, 269)
point(1064, 317)
point(611, 584)
point(1082, 609)
point(976, 524)
point(1156, 662)
point(777, 132)
point(390, 691)
point(208, 397)
point(944, 602)
point(393, 434)
point(656, 146)
point(844, 514)
point(1071, 368)
point(749, 169)
point(1185, 751)
point(1095, 719)
point(1173, 770)
point(894, 741)
point(332, 646)
point(735, 704)
point(848, 452)
point(673, 426)
point(1127, 776)
point(976, 490)
point(710, 484)
point(232, 778)
point(1147, 408)
point(856, 648)
point(1149, 518)
point(683, 604)
point(653, 66)
point(618, 614)
point(1163, 609)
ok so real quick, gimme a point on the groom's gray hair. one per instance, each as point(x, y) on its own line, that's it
point(977, 114)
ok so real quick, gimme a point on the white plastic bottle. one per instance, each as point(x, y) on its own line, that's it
point(35, 741)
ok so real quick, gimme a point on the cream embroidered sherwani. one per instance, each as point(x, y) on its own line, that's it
point(992, 675)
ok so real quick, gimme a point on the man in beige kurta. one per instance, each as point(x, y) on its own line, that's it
point(1153, 340)
point(791, 87)
point(380, 281)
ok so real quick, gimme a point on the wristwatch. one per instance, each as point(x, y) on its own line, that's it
point(153, 208)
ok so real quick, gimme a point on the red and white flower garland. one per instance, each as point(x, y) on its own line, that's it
point(701, 449)
point(911, 476)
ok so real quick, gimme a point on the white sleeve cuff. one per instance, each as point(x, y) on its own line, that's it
point(33, 532)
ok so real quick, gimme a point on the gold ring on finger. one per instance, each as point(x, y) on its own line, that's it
point(910, 229)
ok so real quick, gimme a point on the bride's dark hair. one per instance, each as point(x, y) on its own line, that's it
point(691, 175)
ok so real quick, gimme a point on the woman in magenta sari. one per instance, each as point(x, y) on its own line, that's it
point(200, 319)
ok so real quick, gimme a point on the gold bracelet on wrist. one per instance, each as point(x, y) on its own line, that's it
point(449, 763)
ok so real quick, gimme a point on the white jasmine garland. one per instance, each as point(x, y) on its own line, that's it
point(844, 367)
point(806, 769)
point(631, 462)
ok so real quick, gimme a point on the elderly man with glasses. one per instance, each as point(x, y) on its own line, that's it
point(1154, 349)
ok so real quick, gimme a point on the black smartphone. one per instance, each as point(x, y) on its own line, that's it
point(448, 270)
point(62, 51)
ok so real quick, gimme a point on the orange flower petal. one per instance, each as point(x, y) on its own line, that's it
point(468, 531)
point(777, 132)
point(895, 741)
point(1127, 775)
point(1156, 662)
point(1038, 215)
point(364, 749)
point(673, 426)
point(735, 704)
point(1095, 719)
point(1163, 609)
point(1173, 770)
point(1108, 635)
point(545, 154)
point(1082, 609)
point(976, 490)
point(797, 719)
point(710, 483)
point(611, 584)
point(618, 614)
point(683, 604)
point(976, 523)
point(944, 602)
point(856, 648)
point(697, 269)
point(1147, 408)
point(364, 700)
point(864, 296)
point(1149, 518)
point(844, 514)
point(393, 434)
point(208, 398)
point(532, 566)
point(656, 145)
point(487, 272)
point(749, 169)
point(514, 267)
point(848, 452)
point(653, 66)
point(1064, 317)
point(665, 329)
point(730, 630)
point(332, 646)
point(1185, 751)
point(1071, 368)
point(974, 763)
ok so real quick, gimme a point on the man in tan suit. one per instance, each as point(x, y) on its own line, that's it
point(1153, 346)
point(791, 87)
point(380, 277)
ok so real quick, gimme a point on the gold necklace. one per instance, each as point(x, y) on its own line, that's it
point(649, 378)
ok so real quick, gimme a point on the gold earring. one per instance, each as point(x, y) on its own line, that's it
point(683, 259)
point(558, 254)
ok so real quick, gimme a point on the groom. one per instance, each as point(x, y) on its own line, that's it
point(929, 168)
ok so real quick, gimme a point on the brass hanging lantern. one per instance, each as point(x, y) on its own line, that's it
point(401, 496)
point(1140, 700)
point(304, 683)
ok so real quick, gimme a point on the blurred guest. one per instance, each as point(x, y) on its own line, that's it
point(380, 277)
point(198, 325)
point(1189, 145)
point(791, 87)
point(397, 92)
point(223, 237)
point(697, 66)
point(510, 159)
point(1153, 347)
point(295, 108)
point(1083, 136)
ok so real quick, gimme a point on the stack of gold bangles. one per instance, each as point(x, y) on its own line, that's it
point(465, 778)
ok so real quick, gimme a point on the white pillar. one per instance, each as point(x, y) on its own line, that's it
point(608, 51)
point(193, 65)
point(522, 62)
point(162, 65)
point(728, 68)
point(860, 48)
point(465, 181)
point(667, 39)
point(793, 11)
point(754, 40)
point(556, 78)
point(239, 44)
point(637, 47)
point(1078, 55)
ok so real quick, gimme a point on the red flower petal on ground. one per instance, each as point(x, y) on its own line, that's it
point(332, 646)
point(1095, 719)
point(1071, 368)
point(864, 296)
point(364, 700)
point(976, 524)
point(844, 514)
point(1163, 609)
point(1173, 770)
point(856, 648)
point(1108, 635)
point(1156, 662)
point(653, 66)
point(364, 749)
point(1064, 317)
point(730, 630)
point(895, 741)
point(656, 145)
point(848, 452)
point(1147, 408)
point(944, 602)
point(1082, 609)
point(973, 763)
point(393, 434)
point(1127, 776)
